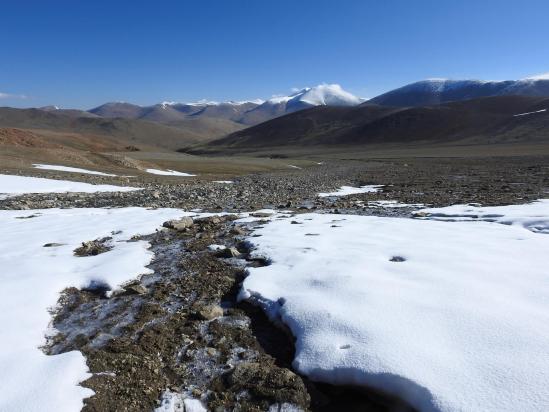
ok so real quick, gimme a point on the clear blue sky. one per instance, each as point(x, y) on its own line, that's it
point(84, 53)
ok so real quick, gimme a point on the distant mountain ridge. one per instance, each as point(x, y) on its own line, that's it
point(438, 91)
point(242, 112)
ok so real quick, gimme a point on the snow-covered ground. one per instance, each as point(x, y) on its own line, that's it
point(451, 316)
point(350, 190)
point(533, 216)
point(31, 279)
point(227, 182)
point(11, 185)
point(70, 169)
point(167, 172)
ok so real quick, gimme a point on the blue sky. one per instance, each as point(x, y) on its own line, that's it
point(84, 53)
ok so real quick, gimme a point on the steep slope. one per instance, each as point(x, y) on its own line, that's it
point(438, 91)
point(486, 120)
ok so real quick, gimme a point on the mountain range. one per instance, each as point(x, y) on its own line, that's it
point(325, 114)
point(487, 120)
point(437, 91)
point(245, 113)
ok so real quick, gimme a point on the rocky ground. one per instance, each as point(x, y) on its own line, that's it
point(434, 181)
point(181, 328)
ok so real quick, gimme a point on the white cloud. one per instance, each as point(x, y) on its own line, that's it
point(12, 96)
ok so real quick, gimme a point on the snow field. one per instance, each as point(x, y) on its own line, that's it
point(450, 316)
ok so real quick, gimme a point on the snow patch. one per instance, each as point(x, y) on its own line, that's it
point(69, 169)
point(527, 113)
point(350, 190)
point(167, 172)
point(176, 402)
point(532, 216)
point(393, 204)
point(11, 185)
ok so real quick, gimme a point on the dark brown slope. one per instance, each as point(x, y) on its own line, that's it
point(486, 120)
point(132, 131)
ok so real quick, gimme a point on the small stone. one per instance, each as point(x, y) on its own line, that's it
point(261, 214)
point(136, 288)
point(210, 312)
point(229, 252)
point(238, 230)
point(181, 224)
point(53, 244)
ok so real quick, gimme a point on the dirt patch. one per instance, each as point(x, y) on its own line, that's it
point(24, 138)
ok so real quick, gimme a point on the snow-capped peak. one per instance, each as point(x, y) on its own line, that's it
point(205, 102)
point(544, 76)
point(321, 95)
point(167, 104)
point(329, 95)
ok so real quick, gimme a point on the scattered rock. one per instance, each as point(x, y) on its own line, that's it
point(93, 247)
point(180, 224)
point(238, 230)
point(261, 214)
point(135, 288)
point(229, 252)
point(53, 244)
point(210, 312)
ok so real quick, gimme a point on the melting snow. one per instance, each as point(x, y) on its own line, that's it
point(451, 316)
point(167, 172)
point(350, 190)
point(70, 169)
point(16, 185)
point(32, 277)
point(532, 216)
point(393, 204)
point(175, 402)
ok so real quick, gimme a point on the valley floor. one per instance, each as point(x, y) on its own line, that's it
point(275, 298)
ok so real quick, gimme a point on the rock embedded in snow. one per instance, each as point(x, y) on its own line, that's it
point(180, 224)
point(228, 252)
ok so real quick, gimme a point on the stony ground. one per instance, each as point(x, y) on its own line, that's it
point(439, 182)
point(181, 329)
